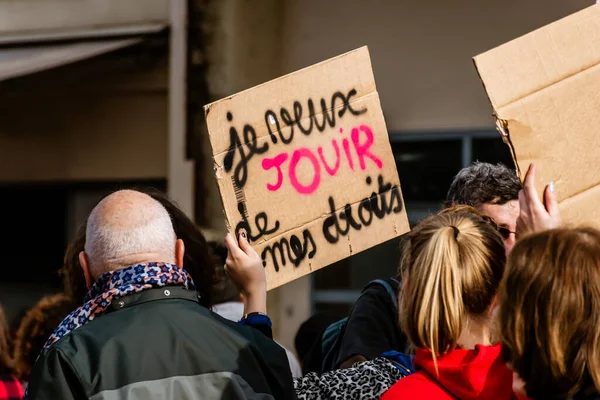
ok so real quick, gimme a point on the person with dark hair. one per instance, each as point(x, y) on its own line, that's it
point(493, 190)
point(372, 327)
point(142, 332)
point(10, 387)
point(73, 281)
point(35, 328)
point(310, 333)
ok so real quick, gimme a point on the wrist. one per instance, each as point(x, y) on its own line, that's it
point(254, 314)
point(255, 290)
point(255, 302)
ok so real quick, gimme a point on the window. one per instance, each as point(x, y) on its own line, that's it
point(426, 168)
point(492, 150)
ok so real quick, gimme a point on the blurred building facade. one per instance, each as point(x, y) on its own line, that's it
point(125, 109)
point(92, 98)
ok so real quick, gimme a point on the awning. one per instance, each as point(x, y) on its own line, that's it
point(19, 61)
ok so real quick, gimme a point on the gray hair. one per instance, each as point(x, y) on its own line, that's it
point(483, 183)
point(125, 228)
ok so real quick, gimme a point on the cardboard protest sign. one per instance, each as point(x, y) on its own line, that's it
point(304, 166)
point(545, 91)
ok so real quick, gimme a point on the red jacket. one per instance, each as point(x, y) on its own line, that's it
point(464, 374)
point(10, 388)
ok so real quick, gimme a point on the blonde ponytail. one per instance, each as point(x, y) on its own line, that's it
point(453, 264)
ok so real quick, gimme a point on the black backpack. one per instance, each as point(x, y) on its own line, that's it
point(331, 340)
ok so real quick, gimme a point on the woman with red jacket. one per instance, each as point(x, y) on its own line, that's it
point(452, 265)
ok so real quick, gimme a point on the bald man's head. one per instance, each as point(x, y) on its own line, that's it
point(127, 228)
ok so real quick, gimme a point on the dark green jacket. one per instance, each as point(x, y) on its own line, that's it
point(162, 344)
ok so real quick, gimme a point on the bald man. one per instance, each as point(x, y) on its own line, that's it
point(141, 333)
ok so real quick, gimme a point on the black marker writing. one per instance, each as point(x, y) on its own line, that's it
point(240, 174)
point(248, 148)
point(294, 250)
point(375, 205)
point(307, 124)
point(260, 221)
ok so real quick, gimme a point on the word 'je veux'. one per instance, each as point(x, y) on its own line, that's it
point(249, 146)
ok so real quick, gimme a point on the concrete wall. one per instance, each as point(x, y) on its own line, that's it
point(421, 50)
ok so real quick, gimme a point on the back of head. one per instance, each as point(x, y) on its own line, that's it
point(197, 260)
point(126, 228)
point(483, 183)
point(311, 331)
point(35, 328)
point(452, 265)
point(550, 313)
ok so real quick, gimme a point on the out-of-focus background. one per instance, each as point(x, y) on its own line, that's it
point(97, 95)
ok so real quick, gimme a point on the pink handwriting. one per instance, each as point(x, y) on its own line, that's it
point(362, 150)
point(300, 188)
point(362, 140)
point(268, 163)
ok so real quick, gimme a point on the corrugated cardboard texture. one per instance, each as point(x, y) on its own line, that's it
point(308, 187)
point(545, 91)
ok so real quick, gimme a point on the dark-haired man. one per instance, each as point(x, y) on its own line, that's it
point(493, 190)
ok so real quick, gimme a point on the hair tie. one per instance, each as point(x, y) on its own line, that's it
point(456, 231)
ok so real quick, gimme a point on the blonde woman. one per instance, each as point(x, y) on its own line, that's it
point(452, 265)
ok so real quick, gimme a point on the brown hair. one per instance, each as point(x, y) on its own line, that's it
point(198, 258)
point(452, 264)
point(550, 313)
point(35, 328)
point(6, 361)
point(73, 281)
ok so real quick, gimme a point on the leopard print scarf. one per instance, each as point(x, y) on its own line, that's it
point(120, 283)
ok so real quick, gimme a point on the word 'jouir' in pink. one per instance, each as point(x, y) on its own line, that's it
point(362, 140)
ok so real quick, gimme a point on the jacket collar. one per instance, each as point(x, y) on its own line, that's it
point(163, 293)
